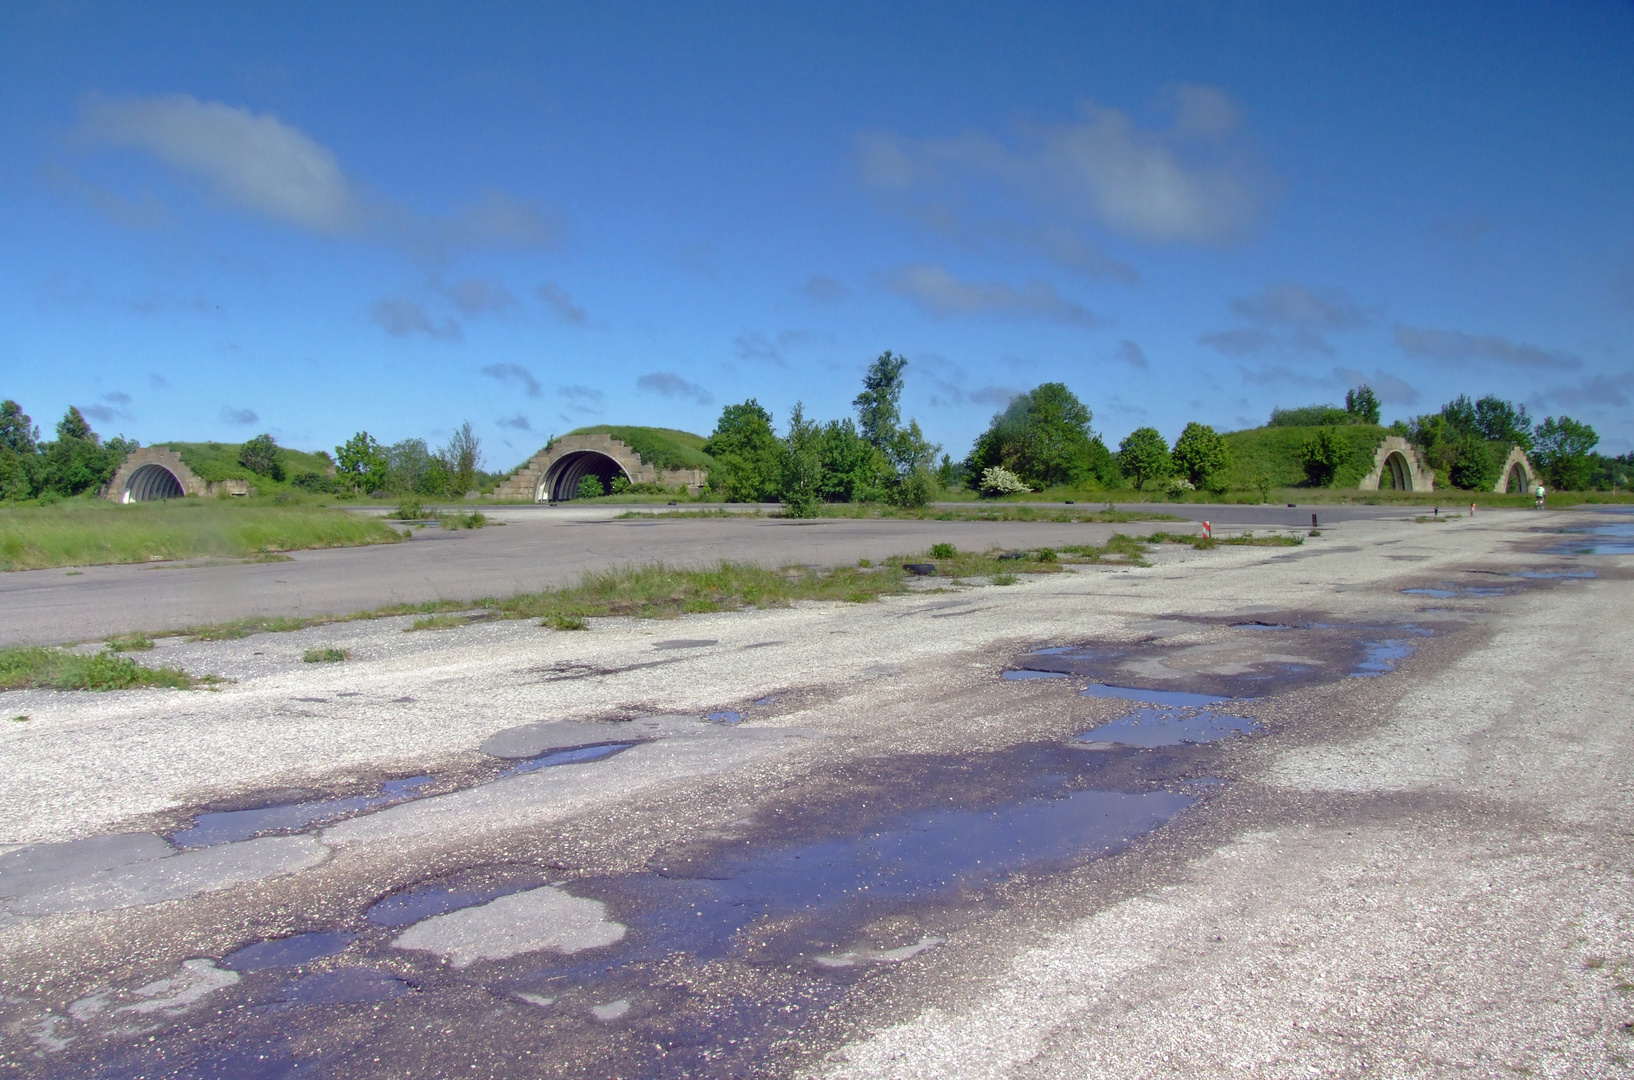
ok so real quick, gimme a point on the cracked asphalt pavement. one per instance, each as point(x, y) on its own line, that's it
point(1356, 808)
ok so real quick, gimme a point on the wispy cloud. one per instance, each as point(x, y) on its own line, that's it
point(557, 299)
point(669, 384)
point(994, 395)
point(158, 382)
point(825, 290)
point(238, 417)
point(117, 397)
point(402, 317)
point(1132, 354)
point(519, 422)
point(1289, 319)
point(1456, 347)
point(1192, 180)
point(940, 293)
point(756, 347)
point(261, 165)
point(474, 297)
point(1593, 392)
point(514, 375)
point(1391, 389)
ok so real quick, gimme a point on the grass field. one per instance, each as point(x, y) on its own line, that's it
point(58, 669)
point(83, 532)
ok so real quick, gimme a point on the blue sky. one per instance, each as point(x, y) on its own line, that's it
point(219, 219)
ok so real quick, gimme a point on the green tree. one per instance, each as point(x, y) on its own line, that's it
point(262, 456)
point(1043, 436)
point(879, 406)
point(1500, 421)
point(15, 481)
point(1471, 464)
point(853, 469)
point(78, 462)
point(462, 457)
point(17, 432)
point(746, 452)
point(1309, 416)
point(361, 462)
point(1322, 455)
point(589, 487)
point(1144, 455)
point(1200, 455)
point(1563, 449)
point(800, 485)
point(1362, 404)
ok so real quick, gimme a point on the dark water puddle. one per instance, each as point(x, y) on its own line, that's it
point(572, 756)
point(1024, 673)
point(1449, 590)
point(1261, 626)
point(725, 716)
point(816, 894)
point(288, 952)
point(1553, 575)
point(341, 986)
point(1614, 539)
point(1173, 698)
point(1151, 727)
point(228, 826)
point(437, 898)
point(1381, 657)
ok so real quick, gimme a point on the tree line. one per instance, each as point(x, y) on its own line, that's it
point(77, 461)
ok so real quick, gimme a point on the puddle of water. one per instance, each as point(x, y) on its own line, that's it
point(1380, 657)
point(424, 901)
point(1440, 594)
point(813, 895)
point(1151, 727)
point(1175, 698)
point(288, 952)
point(1449, 590)
point(342, 986)
point(1260, 626)
point(572, 756)
point(726, 716)
point(1025, 673)
point(229, 826)
point(769, 699)
point(1616, 539)
point(1550, 575)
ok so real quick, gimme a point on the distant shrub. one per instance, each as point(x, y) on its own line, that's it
point(589, 488)
point(1321, 456)
point(916, 489)
point(1178, 486)
point(620, 485)
point(997, 480)
point(317, 483)
point(943, 551)
point(1309, 416)
point(408, 510)
point(330, 655)
point(262, 456)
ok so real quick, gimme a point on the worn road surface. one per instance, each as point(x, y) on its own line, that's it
point(537, 547)
point(1361, 807)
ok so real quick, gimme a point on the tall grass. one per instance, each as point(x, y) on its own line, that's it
point(58, 669)
point(83, 532)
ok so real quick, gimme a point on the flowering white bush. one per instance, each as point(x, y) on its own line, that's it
point(1001, 481)
point(1178, 485)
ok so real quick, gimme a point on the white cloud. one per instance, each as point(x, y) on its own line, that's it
point(118, 397)
point(942, 294)
point(238, 417)
point(1596, 391)
point(1191, 181)
point(582, 393)
point(755, 347)
point(1452, 346)
point(401, 317)
point(562, 304)
point(519, 422)
point(513, 374)
point(1289, 319)
point(259, 164)
point(669, 384)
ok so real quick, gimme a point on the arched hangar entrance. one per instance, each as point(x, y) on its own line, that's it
point(151, 482)
point(562, 479)
point(1396, 475)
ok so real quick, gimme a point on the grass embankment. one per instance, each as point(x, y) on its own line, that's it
point(84, 532)
point(219, 461)
point(663, 447)
point(29, 667)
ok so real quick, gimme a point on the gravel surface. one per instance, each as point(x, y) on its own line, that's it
point(867, 865)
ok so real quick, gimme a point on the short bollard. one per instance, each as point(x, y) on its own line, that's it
point(1208, 533)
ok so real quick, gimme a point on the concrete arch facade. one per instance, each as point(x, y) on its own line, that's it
point(157, 472)
point(1397, 466)
point(553, 474)
point(1517, 474)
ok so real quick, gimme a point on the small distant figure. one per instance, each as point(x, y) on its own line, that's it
point(1540, 494)
point(1471, 509)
